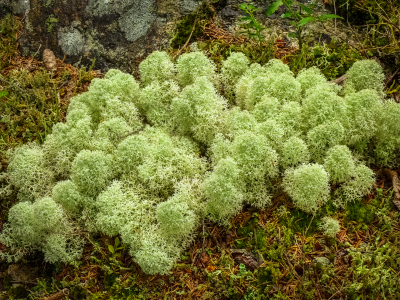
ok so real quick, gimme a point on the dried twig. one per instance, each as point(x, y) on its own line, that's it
point(58, 296)
point(309, 225)
point(396, 185)
point(392, 76)
point(131, 133)
point(340, 80)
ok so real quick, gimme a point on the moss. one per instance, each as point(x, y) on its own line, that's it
point(77, 292)
point(9, 26)
point(219, 50)
point(203, 13)
point(333, 59)
point(19, 292)
point(360, 213)
point(48, 3)
point(51, 22)
point(269, 274)
point(299, 221)
point(184, 28)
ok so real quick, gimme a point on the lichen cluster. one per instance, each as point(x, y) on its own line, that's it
point(151, 160)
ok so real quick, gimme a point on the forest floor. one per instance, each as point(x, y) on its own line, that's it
point(278, 253)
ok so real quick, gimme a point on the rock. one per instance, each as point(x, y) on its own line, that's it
point(5, 8)
point(21, 274)
point(14, 6)
point(116, 34)
point(247, 258)
point(120, 34)
point(324, 261)
point(49, 59)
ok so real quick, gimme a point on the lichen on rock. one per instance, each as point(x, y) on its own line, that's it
point(137, 21)
point(71, 41)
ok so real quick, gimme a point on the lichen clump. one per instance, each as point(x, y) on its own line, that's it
point(151, 160)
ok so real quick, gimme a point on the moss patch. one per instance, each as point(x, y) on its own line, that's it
point(201, 16)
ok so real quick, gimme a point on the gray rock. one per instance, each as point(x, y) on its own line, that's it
point(21, 274)
point(21, 6)
point(137, 21)
point(71, 41)
point(5, 8)
point(116, 33)
point(121, 33)
point(322, 260)
point(13, 6)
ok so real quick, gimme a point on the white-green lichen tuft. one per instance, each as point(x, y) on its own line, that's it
point(150, 161)
point(71, 41)
point(330, 227)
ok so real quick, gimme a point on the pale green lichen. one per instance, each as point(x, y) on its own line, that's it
point(330, 227)
point(308, 186)
point(151, 160)
point(137, 21)
point(71, 41)
point(364, 74)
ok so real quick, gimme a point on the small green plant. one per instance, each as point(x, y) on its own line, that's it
point(51, 22)
point(300, 15)
point(115, 248)
point(251, 24)
point(3, 93)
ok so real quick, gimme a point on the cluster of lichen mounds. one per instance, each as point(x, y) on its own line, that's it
point(151, 160)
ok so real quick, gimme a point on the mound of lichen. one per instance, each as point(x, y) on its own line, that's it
point(151, 160)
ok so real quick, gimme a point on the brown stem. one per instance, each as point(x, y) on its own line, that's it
point(396, 185)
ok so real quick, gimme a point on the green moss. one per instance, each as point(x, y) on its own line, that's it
point(77, 292)
point(360, 213)
point(299, 221)
point(268, 274)
point(184, 28)
point(48, 3)
point(9, 26)
point(333, 59)
point(219, 50)
point(51, 22)
point(248, 228)
point(19, 292)
point(32, 104)
point(203, 13)
point(26, 108)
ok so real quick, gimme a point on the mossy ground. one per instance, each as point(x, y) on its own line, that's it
point(362, 262)
point(287, 241)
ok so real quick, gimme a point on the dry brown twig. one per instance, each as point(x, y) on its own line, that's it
point(394, 176)
point(340, 80)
